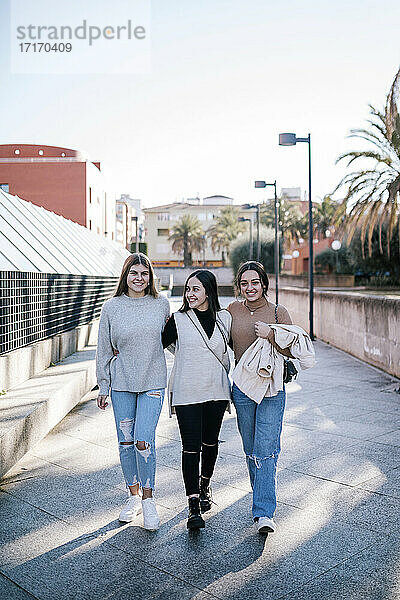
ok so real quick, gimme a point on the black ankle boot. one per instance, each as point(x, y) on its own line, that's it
point(205, 495)
point(195, 520)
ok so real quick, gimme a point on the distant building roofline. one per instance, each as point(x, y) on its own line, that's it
point(217, 196)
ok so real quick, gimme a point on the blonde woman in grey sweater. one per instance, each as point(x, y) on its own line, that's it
point(131, 368)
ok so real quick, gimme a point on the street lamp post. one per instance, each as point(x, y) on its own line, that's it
point(135, 219)
point(290, 139)
point(258, 239)
point(263, 184)
point(336, 245)
point(242, 219)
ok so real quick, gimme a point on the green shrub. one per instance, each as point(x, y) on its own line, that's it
point(379, 266)
point(336, 261)
point(378, 270)
point(239, 251)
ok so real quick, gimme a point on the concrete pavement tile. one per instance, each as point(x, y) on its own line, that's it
point(389, 484)
point(231, 470)
point(392, 438)
point(376, 417)
point(88, 429)
point(75, 454)
point(306, 399)
point(346, 428)
point(27, 531)
point(304, 491)
point(354, 464)
point(373, 511)
point(371, 574)
point(88, 509)
point(32, 467)
point(339, 502)
point(304, 444)
point(250, 564)
point(169, 452)
point(89, 569)
point(10, 591)
point(328, 411)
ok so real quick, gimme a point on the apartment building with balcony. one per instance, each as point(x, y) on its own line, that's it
point(160, 220)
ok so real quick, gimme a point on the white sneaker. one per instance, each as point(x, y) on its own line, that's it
point(132, 508)
point(151, 520)
point(265, 525)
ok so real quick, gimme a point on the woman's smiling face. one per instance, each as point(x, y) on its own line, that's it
point(195, 294)
point(137, 280)
point(250, 286)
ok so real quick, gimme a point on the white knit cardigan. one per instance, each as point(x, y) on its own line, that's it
point(197, 374)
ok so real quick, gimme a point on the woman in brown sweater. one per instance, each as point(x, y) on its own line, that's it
point(259, 425)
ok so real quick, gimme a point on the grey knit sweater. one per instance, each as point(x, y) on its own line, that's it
point(132, 326)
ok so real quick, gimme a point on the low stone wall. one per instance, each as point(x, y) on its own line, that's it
point(224, 275)
point(19, 365)
point(365, 326)
point(320, 280)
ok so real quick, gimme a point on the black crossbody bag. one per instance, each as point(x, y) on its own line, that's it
point(289, 370)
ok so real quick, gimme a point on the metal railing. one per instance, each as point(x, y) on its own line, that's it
point(36, 306)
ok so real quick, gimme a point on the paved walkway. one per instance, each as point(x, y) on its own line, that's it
point(338, 514)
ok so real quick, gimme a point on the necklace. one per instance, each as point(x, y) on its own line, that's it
point(252, 311)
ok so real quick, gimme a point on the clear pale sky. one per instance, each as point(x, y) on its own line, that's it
point(227, 76)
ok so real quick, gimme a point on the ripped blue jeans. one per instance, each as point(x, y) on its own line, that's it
point(260, 427)
point(136, 416)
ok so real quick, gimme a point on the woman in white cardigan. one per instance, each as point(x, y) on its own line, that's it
point(199, 388)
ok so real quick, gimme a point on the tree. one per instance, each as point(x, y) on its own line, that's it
point(291, 221)
point(187, 237)
point(375, 268)
point(372, 196)
point(324, 215)
point(225, 230)
point(335, 261)
point(240, 250)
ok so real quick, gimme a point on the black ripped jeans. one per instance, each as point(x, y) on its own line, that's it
point(199, 426)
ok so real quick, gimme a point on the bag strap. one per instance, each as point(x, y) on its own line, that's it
point(205, 339)
point(276, 313)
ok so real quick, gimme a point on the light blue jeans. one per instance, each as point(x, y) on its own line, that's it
point(136, 416)
point(260, 427)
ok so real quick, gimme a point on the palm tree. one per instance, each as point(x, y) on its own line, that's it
point(372, 197)
point(187, 237)
point(324, 215)
point(291, 221)
point(224, 231)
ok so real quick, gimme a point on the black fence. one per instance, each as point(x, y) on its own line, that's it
point(36, 306)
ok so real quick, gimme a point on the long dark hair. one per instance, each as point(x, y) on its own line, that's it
point(252, 265)
point(210, 285)
point(138, 258)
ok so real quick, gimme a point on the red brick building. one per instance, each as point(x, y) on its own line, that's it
point(61, 180)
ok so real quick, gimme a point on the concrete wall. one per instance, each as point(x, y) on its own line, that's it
point(320, 280)
point(224, 275)
point(20, 365)
point(367, 327)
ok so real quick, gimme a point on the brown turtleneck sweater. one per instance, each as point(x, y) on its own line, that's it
point(242, 332)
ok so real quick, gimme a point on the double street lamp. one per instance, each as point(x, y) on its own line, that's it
point(263, 184)
point(290, 139)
